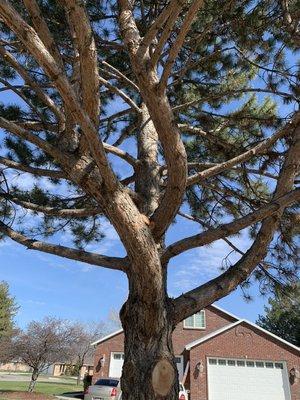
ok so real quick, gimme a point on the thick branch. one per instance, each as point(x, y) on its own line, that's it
point(121, 153)
point(32, 170)
point(231, 228)
point(163, 119)
point(43, 31)
point(176, 9)
point(177, 45)
point(255, 151)
point(34, 139)
point(53, 211)
point(167, 12)
point(88, 58)
point(66, 252)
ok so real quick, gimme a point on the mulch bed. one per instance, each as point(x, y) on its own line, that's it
point(24, 396)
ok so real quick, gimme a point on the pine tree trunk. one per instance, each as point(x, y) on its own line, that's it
point(32, 383)
point(149, 370)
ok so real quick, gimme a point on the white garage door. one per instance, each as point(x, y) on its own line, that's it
point(230, 379)
point(117, 360)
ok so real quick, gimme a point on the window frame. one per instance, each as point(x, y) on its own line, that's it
point(193, 327)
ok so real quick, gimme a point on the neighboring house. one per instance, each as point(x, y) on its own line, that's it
point(220, 357)
point(57, 369)
point(14, 366)
point(62, 368)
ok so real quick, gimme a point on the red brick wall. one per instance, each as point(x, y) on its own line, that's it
point(104, 349)
point(215, 319)
point(240, 342)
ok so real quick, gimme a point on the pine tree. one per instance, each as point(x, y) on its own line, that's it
point(8, 309)
point(282, 317)
point(142, 113)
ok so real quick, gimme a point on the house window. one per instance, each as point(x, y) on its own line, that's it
point(196, 321)
point(118, 356)
point(269, 365)
point(259, 364)
point(279, 365)
point(250, 363)
point(212, 361)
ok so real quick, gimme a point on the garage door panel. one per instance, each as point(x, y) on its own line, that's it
point(116, 365)
point(251, 380)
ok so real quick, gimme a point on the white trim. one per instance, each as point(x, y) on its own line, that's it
point(288, 378)
point(271, 334)
point(224, 311)
point(107, 337)
point(227, 327)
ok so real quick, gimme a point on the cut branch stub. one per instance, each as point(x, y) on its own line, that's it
point(163, 377)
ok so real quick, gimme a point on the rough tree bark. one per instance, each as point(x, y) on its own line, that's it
point(149, 370)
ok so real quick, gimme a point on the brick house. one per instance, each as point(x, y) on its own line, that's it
point(220, 357)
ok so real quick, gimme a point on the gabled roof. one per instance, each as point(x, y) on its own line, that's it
point(230, 326)
point(107, 337)
point(224, 311)
point(121, 330)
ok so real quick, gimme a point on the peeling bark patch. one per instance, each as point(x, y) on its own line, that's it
point(163, 377)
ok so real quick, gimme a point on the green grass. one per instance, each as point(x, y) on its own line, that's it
point(41, 387)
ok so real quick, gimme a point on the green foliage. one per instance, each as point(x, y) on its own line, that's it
point(236, 78)
point(8, 309)
point(72, 370)
point(282, 317)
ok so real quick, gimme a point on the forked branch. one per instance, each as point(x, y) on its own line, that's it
point(32, 42)
point(231, 228)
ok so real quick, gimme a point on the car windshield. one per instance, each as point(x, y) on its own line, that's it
point(107, 382)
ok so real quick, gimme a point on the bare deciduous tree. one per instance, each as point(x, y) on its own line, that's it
point(81, 349)
point(165, 72)
point(43, 344)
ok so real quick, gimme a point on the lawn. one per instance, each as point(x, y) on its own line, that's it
point(41, 387)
